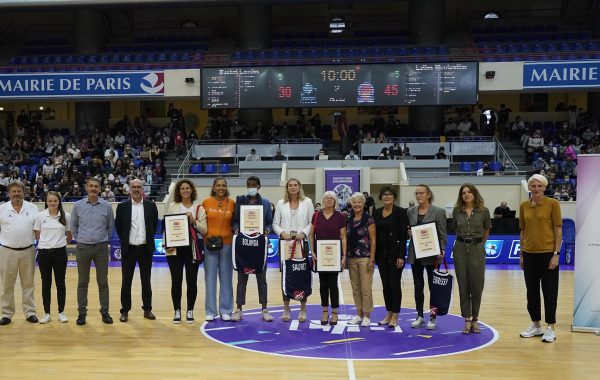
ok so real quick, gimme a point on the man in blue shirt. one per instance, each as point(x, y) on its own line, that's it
point(252, 197)
point(92, 221)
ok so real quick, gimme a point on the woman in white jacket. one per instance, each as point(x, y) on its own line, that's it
point(292, 220)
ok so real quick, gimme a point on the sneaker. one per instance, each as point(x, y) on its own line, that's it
point(62, 318)
point(45, 319)
point(190, 316)
point(431, 325)
point(549, 335)
point(177, 317)
point(210, 318)
point(226, 317)
point(417, 323)
point(356, 320)
point(366, 322)
point(532, 331)
point(266, 316)
point(237, 316)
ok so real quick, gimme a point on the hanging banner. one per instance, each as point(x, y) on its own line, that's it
point(586, 300)
point(343, 182)
point(83, 84)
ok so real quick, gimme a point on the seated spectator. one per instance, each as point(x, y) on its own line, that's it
point(502, 211)
point(351, 156)
point(451, 128)
point(381, 138)
point(278, 156)
point(538, 165)
point(157, 152)
point(569, 167)
point(406, 154)
point(252, 156)
point(74, 151)
point(107, 194)
point(395, 151)
point(384, 154)
point(441, 154)
point(464, 127)
point(516, 129)
point(322, 155)
point(367, 139)
point(191, 138)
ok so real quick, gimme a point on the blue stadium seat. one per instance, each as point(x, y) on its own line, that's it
point(196, 169)
point(210, 168)
point(465, 166)
point(478, 165)
point(224, 169)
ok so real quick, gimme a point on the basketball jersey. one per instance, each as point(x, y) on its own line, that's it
point(249, 253)
point(296, 278)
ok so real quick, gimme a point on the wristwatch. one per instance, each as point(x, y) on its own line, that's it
point(556, 253)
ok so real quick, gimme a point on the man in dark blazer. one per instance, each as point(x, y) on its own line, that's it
point(136, 221)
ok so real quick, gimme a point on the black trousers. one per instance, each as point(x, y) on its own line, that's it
point(139, 255)
point(53, 260)
point(328, 287)
point(535, 270)
point(183, 259)
point(419, 281)
point(390, 281)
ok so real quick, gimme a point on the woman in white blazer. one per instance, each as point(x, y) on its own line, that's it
point(185, 201)
point(292, 220)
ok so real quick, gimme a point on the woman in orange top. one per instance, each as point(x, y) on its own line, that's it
point(541, 236)
point(219, 213)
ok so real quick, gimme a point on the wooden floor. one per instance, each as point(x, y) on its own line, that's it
point(142, 349)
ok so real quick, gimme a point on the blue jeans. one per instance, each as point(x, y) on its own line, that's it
point(221, 263)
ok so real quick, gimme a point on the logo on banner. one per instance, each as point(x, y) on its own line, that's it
point(156, 83)
point(493, 249)
point(515, 250)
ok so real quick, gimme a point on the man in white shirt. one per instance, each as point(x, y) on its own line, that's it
point(75, 152)
point(17, 253)
point(253, 156)
point(136, 221)
point(352, 156)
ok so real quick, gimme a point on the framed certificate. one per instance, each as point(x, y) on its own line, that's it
point(251, 219)
point(425, 240)
point(177, 230)
point(329, 255)
point(285, 249)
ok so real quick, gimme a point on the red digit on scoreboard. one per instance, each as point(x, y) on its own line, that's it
point(284, 92)
point(391, 90)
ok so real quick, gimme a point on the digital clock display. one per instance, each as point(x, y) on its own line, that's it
point(452, 83)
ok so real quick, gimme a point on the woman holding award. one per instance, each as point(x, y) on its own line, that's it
point(391, 225)
point(292, 221)
point(472, 223)
point(185, 202)
point(217, 262)
point(329, 224)
point(361, 258)
point(423, 213)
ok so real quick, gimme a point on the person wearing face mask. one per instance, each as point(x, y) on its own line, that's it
point(252, 197)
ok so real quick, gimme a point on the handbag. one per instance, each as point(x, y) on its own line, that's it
point(215, 243)
point(197, 243)
point(441, 290)
point(296, 280)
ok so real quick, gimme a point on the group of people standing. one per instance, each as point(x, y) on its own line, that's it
point(365, 240)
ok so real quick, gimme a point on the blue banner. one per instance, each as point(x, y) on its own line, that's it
point(343, 182)
point(83, 84)
point(561, 74)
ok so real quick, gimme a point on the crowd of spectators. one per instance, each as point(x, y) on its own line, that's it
point(552, 151)
point(58, 160)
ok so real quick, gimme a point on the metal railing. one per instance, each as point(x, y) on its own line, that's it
point(503, 157)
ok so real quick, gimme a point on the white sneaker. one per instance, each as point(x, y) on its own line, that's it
point(237, 316)
point(46, 319)
point(549, 335)
point(177, 317)
point(210, 318)
point(532, 331)
point(226, 317)
point(190, 316)
point(266, 316)
point(366, 322)
point(417, 323)
point(356, 320)
point(62, 318)
point(431, 325)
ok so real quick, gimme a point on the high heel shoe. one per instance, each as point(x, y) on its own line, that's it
point(385, 321)
point(393, 321)
point(324, 318)
point(475, 327)
point(334, 318)
point(468, 326)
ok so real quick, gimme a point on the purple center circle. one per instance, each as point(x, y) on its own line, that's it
point(344, 341)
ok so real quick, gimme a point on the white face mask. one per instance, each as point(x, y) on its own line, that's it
point(252, 192)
